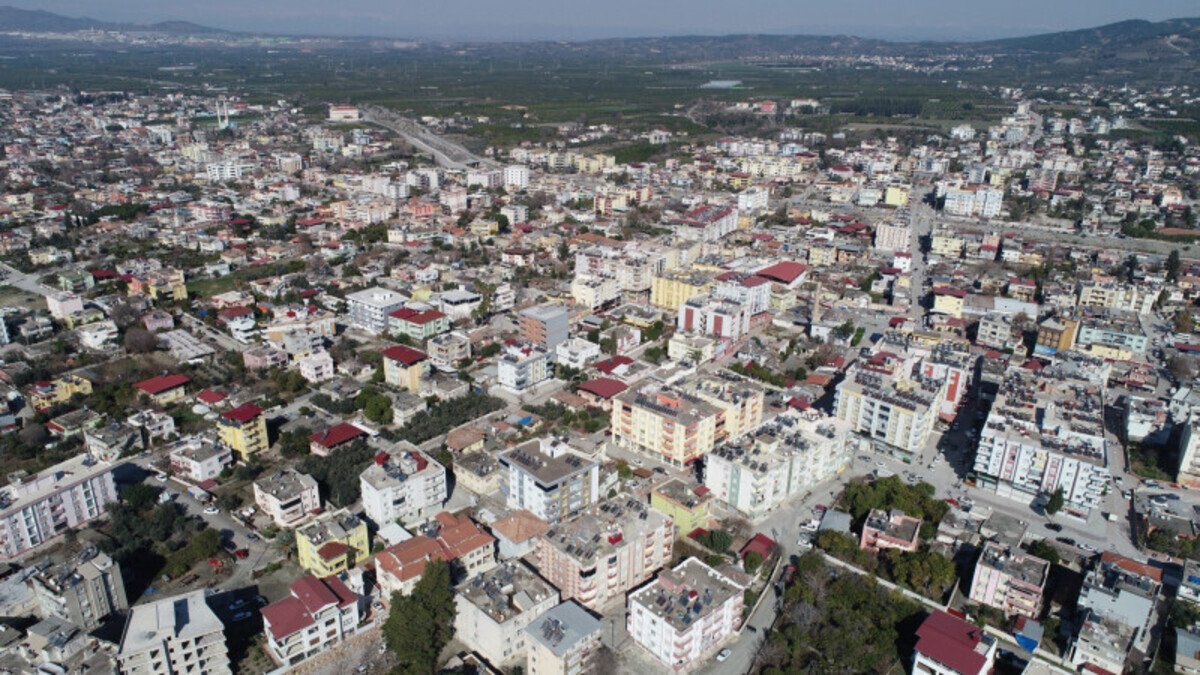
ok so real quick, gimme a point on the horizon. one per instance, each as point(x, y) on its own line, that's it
point(462, 20)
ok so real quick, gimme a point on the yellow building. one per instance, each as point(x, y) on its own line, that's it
point(404, 367)
point(46, 395)
point(690, 506)
point(244, 430)
point(164, 389)
point(333, 543)
point(740, 401)
point(949, 301)
point(695, 348)
point(946, 245)
point(671, 290)
point(896, 195)
point(665, 423)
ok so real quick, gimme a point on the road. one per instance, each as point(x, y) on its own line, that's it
point(223, 340)
point(446, 153)
point(26, 282)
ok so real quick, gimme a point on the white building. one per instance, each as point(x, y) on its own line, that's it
point(458, 304)
point(577, 353)
point(684, 615)
point(197, 459)
point(562, 641)
point(36, 509)
point(974, 202)
point(753, 199)
point(893, 237)
point(516, 177)
point(549, 480)
point(222, 171)
point(174, 636)
point(408, 486)
point(369, 308)
point(495, 607)
point(316, 367)
point(316, 616)
point(522, 367)
point(287, 496)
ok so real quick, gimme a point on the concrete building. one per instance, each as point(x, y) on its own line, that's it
point(547, 326)
point(665, 423)
point(686, 614)
point(316, 616)
point(898, 410)
point(522, 367)
point(948, 645)
point(549, 480)
point(1122, 596)
point(446, 350)
point(456, 540)
point(244, 429)
point(369, 308)
point(288, 497)
point(598, 555)
point(405, 486)
point(197, 459)
point(577, 353)
point(562, 641)
point(1009, 580)
point(893, 237)
point(37, 509)
point(495, 608)
point(82, 590)
point(404, 367)
point(890, 529)
point(333, 543)
point(174, 636)
point(688, 505)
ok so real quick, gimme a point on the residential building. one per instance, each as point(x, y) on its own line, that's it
point(316, 366)
point(417, 324)
point(671, 289)
point(739, 399)
point(707, 222)
point(1188, 472)
point(37, 509)
point(369, 308)
point(893, 237)
point(895, 409)
point(975, 201)
point(324, 443)
point(1010, 580)
point(577, 353)
point(174, 636)
point(164, 389)
point(1122, 596)
point(288, 497)
point(523, 367)
point(405, 486)
point(890, 529)
point(244, 430)
point(665, 423)
point(83, 590)
point(686, 614)
point(404, 367)
point(1055, 335)
point(454, 539)
point(108, 443)
point(598, 555)
point(448, 349)
point(547, 326)
point(1102, 644)
point(547, 478)
point(495, 607)
point(197, 459)
point(45, 395)
point(315, 616)
point(687, 504)
point(562, 641)
point(948, 645)
point(332, 543)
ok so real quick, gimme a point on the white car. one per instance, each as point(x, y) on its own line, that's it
point(212, 510)
point(723, 654)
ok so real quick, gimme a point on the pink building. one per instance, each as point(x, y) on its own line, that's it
point(1010, 580)
point(894, 529)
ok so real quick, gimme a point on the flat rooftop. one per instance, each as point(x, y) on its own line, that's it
point(507, 591)
point(686, 594)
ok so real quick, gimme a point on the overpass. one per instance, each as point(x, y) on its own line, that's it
point(447, 154)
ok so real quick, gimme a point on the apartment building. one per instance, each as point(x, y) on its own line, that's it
point(495, 608)
point(688, 505)
point(713, 317)
point(405, 486)
point(448, 349)
point(890, 530)
point(1055, 335)
point(522, 367)
point(288, 497)
point(332, 543)
point(454, 539)
point(1045, 432)
point(997, 331)
point(739, 400)
point(784, 458)
point(974, 201)
point(599, 554)
point(684, 616)
point(174, 636)
point(82, 590)
point(1188, 472)
point(893, 237)
point(1118, 329)
point(665, 423)
point(1116, 295)
point(369, 309)
point(562, 641)
point(244, 429)
point(37, 509)
point(404, 367)
point(546, 326)
point(197, 459)
point(316, 615)
point(45, 395)
point(1010, 580)
point(594, 291)
point(1122, 597)
point(1102, 644)
point(577, 353)
point(547, 478)
point(420, 325)
point(948, 645)
point(670, 290)
point(894, 409)
point(707, 222)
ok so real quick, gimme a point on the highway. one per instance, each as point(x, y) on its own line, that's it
point(446, 153)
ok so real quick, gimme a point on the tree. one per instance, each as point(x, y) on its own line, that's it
point(1173, 265)
point(140, 341)
point(140, 496)
point(1181, 367)
point(1043, 550)
point(752, 561)
point(420, 624)
point(1183, 321)
point(1055, 503)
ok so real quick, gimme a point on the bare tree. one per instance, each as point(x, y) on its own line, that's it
point(140, 341)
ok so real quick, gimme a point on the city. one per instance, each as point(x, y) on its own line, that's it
point(789, 357)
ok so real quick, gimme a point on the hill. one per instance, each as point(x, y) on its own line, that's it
point(40, 21)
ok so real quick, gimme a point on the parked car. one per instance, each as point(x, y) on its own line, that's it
point(212, 510)
point(237, 604)
point(242, 616)
point(723, 654)
point(1065, 540)
point(1054, 527)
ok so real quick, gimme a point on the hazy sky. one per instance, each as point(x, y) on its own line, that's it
point(573, 19)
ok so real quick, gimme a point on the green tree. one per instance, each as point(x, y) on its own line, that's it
point(1183, 321)
point(140, 496)
point(420, 624)
point(752, 561)
point(1055, 503)
point(1042, 549)
point(1173, 265)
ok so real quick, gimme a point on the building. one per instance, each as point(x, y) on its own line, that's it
point(1010, 580)
point(405, 486)
point(332, 543)
point(1189, 453)
point(45, 395)
point(893, 237)
point(548, 479)
point(686, 614)
point(522, 367)
point(515, 177)
point(1102, 644)
point(948, 645)
point(83, 590)
point(894, 409)
point(600, 554)
point(688, 505)
point(316, 615)
point(665, 423)
point(244, 430)
point(164, 389)
point(316, 366)
point(707, 222)
point(890, 529)
point(404, 367)
point(369, 308)
point(197, 459)
point(1121, 597)
point(37, 509)
point(784, 458)
point(419, 325)
point(975, 201)
point(288, 497)
point(547, 326)
point(495, 608)
point(174, 636)
point(109, 443)
point(324, 443)
point(577, 353)
point(456, 540)
point(562, 641)
point(448, 349)
point(739, 399)
point(671, 289)
point(1118, 329)
point(1055, 335)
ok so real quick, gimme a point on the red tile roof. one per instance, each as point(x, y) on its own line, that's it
point(243, 413)
point(604, 387)
point(951, 642)
point(210, 397)
point(760, 544)
point(784, 272)
point(309, 596)
point(612, 363)
point(157, 385)
point(336, 435)
point(404, 354)
point(333, 550)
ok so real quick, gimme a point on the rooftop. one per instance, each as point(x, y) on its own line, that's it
point(604, 528)
point(507, 591)
point(562, 627)
point(549, 460)
point(686, 594)
point(182, 617)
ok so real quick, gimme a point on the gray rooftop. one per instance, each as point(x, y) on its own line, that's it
point(563, 626)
